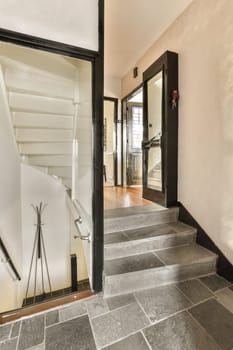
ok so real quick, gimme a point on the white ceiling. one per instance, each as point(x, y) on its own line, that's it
point(132, 26)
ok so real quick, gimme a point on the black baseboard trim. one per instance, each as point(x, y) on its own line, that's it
point(224, 267)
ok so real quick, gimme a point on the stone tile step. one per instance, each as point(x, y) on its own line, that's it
point(146, 239)
point(137, 217)
point(138, 272)
point(120, 212)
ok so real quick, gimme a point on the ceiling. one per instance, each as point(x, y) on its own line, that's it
point(132, 26)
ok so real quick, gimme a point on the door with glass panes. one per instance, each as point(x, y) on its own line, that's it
point(134, 143)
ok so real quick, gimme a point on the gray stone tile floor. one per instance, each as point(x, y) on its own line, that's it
point(192, 315)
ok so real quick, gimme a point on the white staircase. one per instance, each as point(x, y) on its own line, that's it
point(148, 247)
point(43, 107)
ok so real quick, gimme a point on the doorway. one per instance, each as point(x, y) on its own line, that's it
point(150, 133)
point(160, 130)
point(132, 107)
point(52, 160)
point(110, 142)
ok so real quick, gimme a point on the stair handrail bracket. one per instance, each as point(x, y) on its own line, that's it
point(81, 220)
point(8, 260)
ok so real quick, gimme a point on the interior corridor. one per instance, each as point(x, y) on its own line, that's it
point(123, 197)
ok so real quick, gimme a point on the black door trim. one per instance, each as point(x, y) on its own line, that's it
point(115, 101)
point(168, 64)
point(97, 59)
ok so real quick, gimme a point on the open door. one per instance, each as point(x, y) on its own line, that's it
point(134, 140)
point(160, 138)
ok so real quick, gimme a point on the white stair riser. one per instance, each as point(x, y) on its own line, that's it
point(50, 160)
point(41, 84)
point(67, 182)
point(131, 282)
point(124, 249)
point(41, 135)
point(65, 171)
point(40, 120)
point(43, 169)
point(45, 148)
point(41, 104)
point(140, 220)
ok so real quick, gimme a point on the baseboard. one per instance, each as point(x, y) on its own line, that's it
point(224, 267)
point(9, 316)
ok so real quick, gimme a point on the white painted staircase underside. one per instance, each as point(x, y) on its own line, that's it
point(42, 107)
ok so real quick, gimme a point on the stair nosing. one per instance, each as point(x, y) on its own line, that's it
point(190, 232)
point(150, 251)
point(155, 211)
point(160, 268)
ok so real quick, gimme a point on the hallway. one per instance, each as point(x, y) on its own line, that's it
point(122, 197)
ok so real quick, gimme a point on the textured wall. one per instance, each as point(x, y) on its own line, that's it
point(202, 36)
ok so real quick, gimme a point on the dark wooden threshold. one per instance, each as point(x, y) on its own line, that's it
point(30, 310)
point(224, 267)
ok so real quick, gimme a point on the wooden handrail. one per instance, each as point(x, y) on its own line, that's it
point(8, 259)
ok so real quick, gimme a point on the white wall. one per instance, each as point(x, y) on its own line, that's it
point(202, 36)
point(39, 187)
point(72, 22)
point(10, 208)
point(112, 88)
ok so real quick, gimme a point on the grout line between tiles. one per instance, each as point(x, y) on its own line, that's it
point(72, 318)
point(201, 302)
point(107, 312)
point(205, 331)
point(120, 339)
point(44, 328)
point(20, 329)
point(205, 284)
point(223, 304)
point(142, 308)
point(162, 261)
point(179, 290)
point(167, 317)
point(9, 335)
point(93, 332)
point(147, 342)
point(222, 289)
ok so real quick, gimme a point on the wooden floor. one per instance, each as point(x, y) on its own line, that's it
point(122, 197)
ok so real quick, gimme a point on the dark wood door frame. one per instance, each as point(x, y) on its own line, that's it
point(97, 60)
point(115, 101)
point(168, 64)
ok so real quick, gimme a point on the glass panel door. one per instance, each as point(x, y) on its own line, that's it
point(160, 130)
point(134, 142)
point(152, 143)
point(154, 101)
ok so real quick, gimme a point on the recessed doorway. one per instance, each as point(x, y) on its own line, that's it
point(110, 142)
point(132, 138)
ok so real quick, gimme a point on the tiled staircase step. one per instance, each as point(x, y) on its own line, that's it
point(136, 217)
point(132, 264)
point(151, 238)
point(129, 274)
